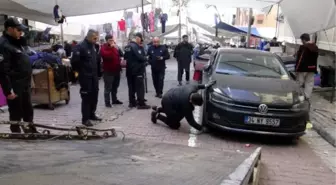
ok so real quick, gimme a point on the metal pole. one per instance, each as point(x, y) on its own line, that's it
point(143, 36)
point(277, 21)
point(62, 38)
point(249, 28)
point(180, 20)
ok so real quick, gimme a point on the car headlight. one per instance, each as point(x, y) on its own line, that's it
point(219, 97)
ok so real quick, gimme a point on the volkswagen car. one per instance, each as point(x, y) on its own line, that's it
point(253, 93)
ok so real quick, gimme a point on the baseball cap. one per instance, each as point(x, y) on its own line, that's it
point(139, 35)
point(14, 23)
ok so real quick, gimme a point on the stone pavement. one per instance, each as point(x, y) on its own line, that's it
point(309, 161)
point(323, 117)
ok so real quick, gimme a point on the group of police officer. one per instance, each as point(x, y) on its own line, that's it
point(16, 72)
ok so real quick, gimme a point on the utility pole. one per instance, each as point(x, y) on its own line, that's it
point(249, 28)
point(180, 20)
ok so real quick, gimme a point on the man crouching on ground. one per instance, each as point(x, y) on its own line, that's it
point(178, 103)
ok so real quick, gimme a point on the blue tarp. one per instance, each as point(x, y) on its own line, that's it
point(233, 29)
point(254, 31)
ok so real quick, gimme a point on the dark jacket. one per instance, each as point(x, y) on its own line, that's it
point(183, 53)
point(68, 49)
point(111, 58)
point(154, 52)
point(135, 57)
point(15, 68)
point(84, 59)
point(176, 103)
point(306, 58)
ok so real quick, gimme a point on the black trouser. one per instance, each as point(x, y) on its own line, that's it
point(158, 80)
point(21, 107)
point(181, 69)
point(173, 121)
point(89, 94)
point(99, 72)
point(111, 84)
point(136, 86)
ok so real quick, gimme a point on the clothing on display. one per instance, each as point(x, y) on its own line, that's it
point(129, 15)
point(129, 22)
point(122, 25)
point(108, 28)
point(144, 21)
point(151, 22)
point(136, 19)
point(163, 19)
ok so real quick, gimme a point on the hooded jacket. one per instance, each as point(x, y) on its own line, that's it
point(111, 58)
point(306, 58)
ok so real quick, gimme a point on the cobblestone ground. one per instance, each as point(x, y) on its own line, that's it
point(310, 161)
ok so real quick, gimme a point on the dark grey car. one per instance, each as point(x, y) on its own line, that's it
point(254, 93)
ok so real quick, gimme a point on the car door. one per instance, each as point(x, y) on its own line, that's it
point(210, 67)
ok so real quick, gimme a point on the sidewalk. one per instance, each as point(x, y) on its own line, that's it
point(323, 118)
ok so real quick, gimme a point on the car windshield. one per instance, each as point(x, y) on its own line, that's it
point(250, 65)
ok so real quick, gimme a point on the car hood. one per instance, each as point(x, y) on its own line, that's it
point(258, 90)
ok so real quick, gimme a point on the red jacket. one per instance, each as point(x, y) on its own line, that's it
point(111, 58)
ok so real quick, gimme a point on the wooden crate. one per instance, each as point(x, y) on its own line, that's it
point(45, 92)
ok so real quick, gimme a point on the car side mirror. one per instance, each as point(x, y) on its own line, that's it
point(292, 74)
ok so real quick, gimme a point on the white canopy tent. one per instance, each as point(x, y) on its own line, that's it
point(42, 10)
point(303, 16)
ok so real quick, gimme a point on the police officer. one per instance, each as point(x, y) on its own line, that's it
point(178, 103)
point(135, 70)
point(158, 54)
point(15, 75)
point(84, 61)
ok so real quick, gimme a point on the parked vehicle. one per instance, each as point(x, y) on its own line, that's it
point(254, 93)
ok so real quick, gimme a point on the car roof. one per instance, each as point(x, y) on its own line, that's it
point(244, 51)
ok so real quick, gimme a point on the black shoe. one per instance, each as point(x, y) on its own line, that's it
point(87, 123)
point(30, 129)
point(95, 118)
point(187, 82)
point(132, 105)
point(159, 96)
point(154, 108)
point(154, 117)
point(179, 84)
point(143, 106)
point(108, 105)
point(156, 95)
point(117, 102)
point(15, 128)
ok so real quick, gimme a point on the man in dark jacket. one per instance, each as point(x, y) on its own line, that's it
point(178, 103)
point(135, 70)
point(158, 54)
point(84, 61)
point(183, 53)
point(67, 48)
point(306, 64)
point(15, 75)
point(111, 56)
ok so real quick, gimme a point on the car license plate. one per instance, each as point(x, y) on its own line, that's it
point(262, 121)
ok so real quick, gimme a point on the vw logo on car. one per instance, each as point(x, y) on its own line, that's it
point(263, 108)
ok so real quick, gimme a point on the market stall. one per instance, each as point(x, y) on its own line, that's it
point(50, 83)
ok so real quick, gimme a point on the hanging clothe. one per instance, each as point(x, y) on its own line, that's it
point(136, 20)
point(144, 21)
point(122, 25)
point(163, 19)
point(157, 17)
point(151, 21)
point(58, 15)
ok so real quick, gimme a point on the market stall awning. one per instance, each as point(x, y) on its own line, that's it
point(230, 28)
point(304, 16)
point(42, 10)
point(254, 31)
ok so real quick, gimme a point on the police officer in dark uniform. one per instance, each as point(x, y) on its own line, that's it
point(15, 75)
point(158, 54)
point(135, 70)
point(84, 61)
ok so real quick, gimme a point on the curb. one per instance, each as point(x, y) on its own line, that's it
point(324, 134)
point(247, 173)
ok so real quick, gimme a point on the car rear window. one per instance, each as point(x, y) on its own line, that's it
point(250, 65)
